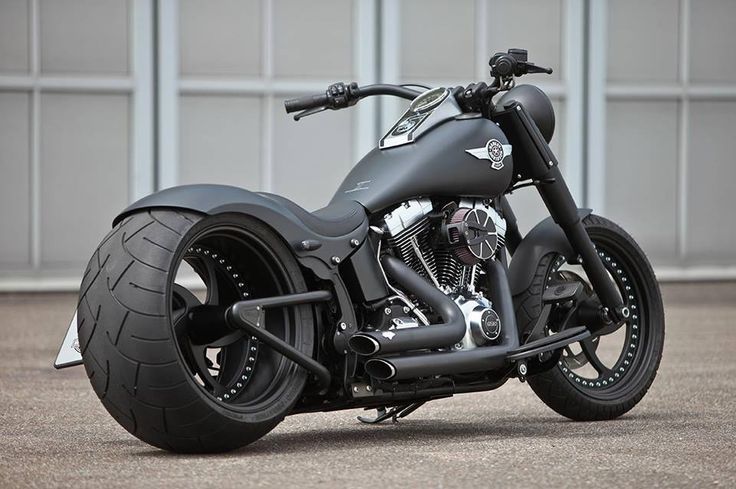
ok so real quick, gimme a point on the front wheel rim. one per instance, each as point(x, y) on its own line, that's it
point(613, 379)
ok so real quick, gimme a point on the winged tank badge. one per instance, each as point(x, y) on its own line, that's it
point(493, 151)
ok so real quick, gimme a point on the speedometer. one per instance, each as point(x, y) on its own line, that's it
point(408, 124)
point(429, 99)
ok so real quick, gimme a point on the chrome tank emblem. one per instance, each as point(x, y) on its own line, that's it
point(493, 151)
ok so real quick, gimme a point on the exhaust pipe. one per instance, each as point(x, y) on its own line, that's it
point(421, 338)
point(437, 363)
point(481, 359)
point(364, 344)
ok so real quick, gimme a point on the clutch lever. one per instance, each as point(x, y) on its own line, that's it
point(532, 68)
point(307, 112)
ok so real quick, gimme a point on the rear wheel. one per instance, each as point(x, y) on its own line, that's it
point(606, 376)
point(167, 368)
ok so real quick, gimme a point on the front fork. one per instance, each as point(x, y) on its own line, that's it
point(562, 208)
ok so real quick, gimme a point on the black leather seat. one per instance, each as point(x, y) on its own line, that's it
point(336, 219)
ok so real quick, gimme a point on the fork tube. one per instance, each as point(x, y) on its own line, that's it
point(513, 236)
point(563, 210)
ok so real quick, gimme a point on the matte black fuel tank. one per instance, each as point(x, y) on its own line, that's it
point(436, 164)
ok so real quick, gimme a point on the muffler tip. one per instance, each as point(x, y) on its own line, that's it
point(362, 344)
point(380, 369)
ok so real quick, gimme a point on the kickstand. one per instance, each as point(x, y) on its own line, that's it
point(395, 413)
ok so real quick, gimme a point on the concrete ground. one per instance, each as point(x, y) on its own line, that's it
point(55, 433)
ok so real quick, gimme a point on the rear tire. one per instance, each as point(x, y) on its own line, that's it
point(136, 363)
point(561, 387)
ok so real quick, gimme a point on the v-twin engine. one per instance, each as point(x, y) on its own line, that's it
point(447, 246)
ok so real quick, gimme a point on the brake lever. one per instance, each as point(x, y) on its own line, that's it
point(532, 68)
point(307, 112)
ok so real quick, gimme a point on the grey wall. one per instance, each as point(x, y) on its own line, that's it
point(77, 106)
point(669, 159)
point(66, 88)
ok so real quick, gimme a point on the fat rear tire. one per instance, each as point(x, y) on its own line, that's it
point(128, 346)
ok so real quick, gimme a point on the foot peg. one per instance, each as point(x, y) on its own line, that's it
point(395, 413)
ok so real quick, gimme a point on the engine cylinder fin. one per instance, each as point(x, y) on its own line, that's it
point(402, 244)
point(449, 268)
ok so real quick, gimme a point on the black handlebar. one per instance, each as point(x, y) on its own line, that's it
point(383, 89)
point(504, 66)
point(341, 95)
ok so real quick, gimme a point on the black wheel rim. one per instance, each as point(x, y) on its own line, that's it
point(232, 368)
point(610, 378)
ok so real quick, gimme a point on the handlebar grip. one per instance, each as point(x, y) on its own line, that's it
point(306, 102)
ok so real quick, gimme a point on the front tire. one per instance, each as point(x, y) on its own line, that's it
point(136, 332)
point(581, 386)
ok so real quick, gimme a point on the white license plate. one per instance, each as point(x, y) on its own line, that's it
point(69, 353)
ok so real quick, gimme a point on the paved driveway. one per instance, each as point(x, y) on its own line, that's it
point(54, 432)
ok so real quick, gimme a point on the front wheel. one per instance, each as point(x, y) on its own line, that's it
point(605, 376)
point(176, 378)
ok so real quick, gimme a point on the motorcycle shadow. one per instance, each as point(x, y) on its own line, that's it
point(410, 432)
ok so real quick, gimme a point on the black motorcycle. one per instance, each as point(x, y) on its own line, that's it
point(209, 312)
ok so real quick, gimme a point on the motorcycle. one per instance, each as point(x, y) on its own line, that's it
point(210, 312)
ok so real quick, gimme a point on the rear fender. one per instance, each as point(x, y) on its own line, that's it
point(219, 199)
point(544, 238)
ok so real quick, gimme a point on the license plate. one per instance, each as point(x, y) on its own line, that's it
point(69, 352)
